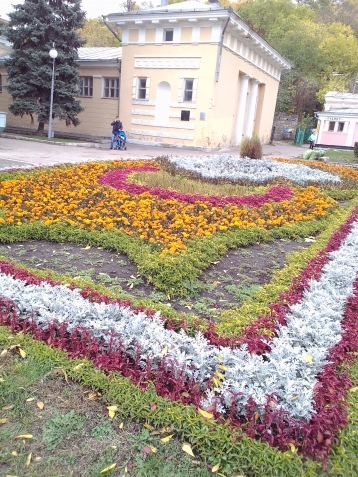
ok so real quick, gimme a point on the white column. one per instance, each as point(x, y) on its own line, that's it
point(350, 133)
point(241, 107)
point(251, 108)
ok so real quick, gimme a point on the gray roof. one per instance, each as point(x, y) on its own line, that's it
point(99, 53)
point(339, 95)
point(89, 54)
point(339, 112)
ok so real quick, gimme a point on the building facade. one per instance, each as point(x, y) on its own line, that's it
point(195, 75)
point(338, 123)
point(187, 75)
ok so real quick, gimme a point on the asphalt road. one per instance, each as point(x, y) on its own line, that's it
point(20, 152)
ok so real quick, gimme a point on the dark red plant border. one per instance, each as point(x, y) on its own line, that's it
point(313, 439)
point(118, 179)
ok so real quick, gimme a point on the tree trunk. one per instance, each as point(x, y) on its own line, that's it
point(40, 129)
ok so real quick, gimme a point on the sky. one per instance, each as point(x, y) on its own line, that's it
point(94, 8)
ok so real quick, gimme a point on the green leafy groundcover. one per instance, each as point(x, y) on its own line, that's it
point(212, 441)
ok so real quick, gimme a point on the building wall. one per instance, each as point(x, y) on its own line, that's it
point(193, 54)
point(337, 130)
point(94, 120)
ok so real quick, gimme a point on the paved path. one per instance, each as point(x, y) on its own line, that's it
point(17, 152)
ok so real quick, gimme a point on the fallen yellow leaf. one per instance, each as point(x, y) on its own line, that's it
point(3, 420)
point(121, 425)
point(28, 460)
point(308, 358)
point(38, 458)
point(14, 453)
point(153, 449)
point(215, 468)
point(187, 448)
point(40, 404)
point(61, 370)
point(164, 351)
point(167, 439)
point(78, 366)
point(206, 414)
point(93, 395)
point(8, 407)
point(30, 399)
point(112, 408)
point(8, 475)
point(220, 375)
point(354, 390)
point(292, 447)
point(2, 380)
point(107, 469)
point(111, 413)
point(22, 353)
point(3, 353)
point(148, 426)
point(224, 368)
point(24, 436)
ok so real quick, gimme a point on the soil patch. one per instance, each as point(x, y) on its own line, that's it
point(223, 285)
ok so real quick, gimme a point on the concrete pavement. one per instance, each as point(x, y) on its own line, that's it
point(20, 152)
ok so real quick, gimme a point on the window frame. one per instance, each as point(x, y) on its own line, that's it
point(142, 89)
point(0, 83)
point(330, 129)
point(168, 30)
point(340, 127)
point(86, 88)
point(113, 86)
point(188, 90)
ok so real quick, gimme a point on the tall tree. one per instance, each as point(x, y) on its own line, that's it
point(34, 27)
point(95, 33)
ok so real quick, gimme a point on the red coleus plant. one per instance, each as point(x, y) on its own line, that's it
point(118, 180)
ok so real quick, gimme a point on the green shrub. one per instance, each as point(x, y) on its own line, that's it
point(251, 147)
point(356, 149)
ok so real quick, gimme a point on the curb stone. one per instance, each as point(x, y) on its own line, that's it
point(75, 144)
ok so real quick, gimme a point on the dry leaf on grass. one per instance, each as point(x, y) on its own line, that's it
point(107, 469)
point(186, 447)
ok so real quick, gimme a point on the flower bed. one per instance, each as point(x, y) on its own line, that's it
point(236, 168)
point(283, 379)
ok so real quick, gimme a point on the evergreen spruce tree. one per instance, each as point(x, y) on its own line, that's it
point(33, 29)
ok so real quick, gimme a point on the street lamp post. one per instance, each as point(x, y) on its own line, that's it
point(53, 54)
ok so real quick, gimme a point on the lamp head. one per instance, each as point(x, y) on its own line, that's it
point(53, 53)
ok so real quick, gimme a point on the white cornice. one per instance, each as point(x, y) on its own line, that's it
point(207, 17)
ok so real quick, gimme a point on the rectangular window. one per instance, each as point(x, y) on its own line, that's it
point(331, 126)
point(86, 87)
point(168, 34)
point(111, 88)
point(340, 127)
point(185, 115)
point(188, 90)
point(142, 88)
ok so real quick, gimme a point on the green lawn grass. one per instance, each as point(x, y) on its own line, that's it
point(67, 430)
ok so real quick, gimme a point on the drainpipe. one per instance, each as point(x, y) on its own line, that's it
point(111, 29)
point(218, 63)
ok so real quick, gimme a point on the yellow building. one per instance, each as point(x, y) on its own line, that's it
point(195, 75)
point(188, 75)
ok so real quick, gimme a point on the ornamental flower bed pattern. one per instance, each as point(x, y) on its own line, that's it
point(288, 387)
point(280, 381)
point(74, 196)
